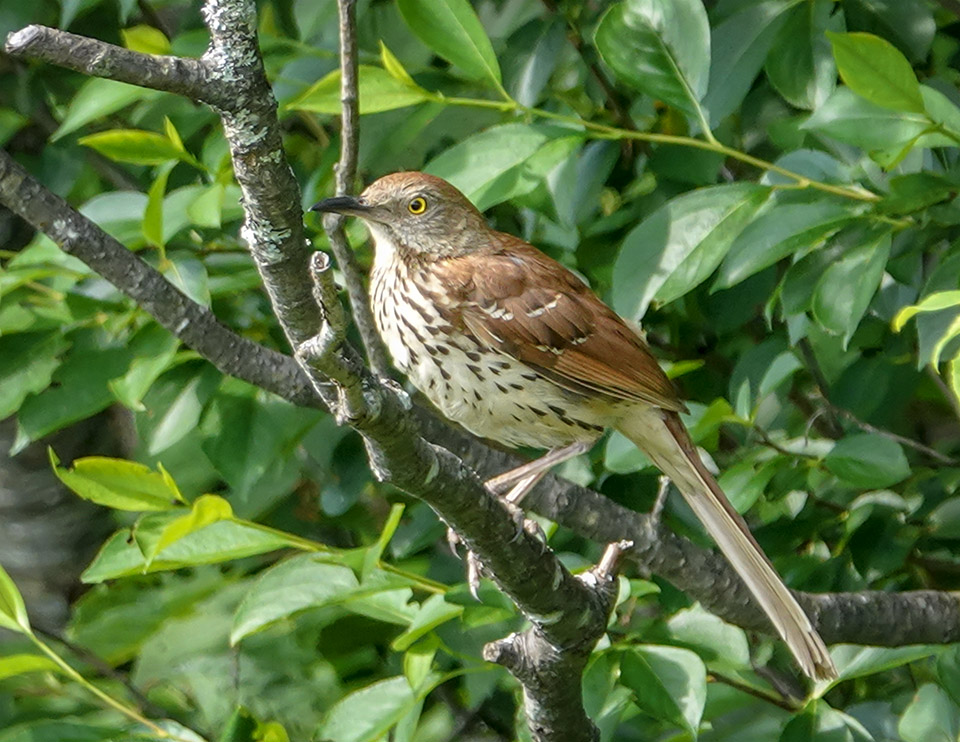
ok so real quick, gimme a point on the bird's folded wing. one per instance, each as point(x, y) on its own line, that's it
point(526, 305)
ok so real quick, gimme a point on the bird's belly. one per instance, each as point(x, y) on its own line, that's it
point(488, 393)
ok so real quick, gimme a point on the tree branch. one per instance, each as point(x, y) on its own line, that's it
point(346, 170)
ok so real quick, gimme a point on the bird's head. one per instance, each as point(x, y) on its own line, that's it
point(414, 213)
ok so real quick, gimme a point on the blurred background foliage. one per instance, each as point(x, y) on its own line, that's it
point(810, 311)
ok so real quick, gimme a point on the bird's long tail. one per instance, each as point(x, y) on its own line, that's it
point(662, 436)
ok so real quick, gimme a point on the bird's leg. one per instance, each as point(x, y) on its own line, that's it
point(510, 481)
point(511, 487)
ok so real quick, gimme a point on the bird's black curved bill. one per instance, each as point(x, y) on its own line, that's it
point(340, 205)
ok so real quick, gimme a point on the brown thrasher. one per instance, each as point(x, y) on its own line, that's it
point(516, 348)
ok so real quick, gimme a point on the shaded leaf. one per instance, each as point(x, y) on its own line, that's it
point(13, 612)
point(868, 461)
point(669, 683)
point(451, 28)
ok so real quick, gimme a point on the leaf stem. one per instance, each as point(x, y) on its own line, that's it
point(709, 143)
point(106, 698)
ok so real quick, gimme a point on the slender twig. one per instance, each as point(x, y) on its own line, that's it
point(783, 702)
point(836, 413)
point(947, 392)
point(346, 171)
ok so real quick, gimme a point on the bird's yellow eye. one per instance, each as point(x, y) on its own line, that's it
point(417, 205)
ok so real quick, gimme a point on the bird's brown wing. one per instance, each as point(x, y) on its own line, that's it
point(513, 298)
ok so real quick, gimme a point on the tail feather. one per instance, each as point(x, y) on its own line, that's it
point(661, 435)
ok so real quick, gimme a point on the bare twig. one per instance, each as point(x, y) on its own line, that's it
point(837, 413)
point(346, 171)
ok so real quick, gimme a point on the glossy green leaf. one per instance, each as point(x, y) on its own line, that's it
point(851, 119)
point(660, 47)
point(738, 47)
point(800, 65)
point(118, 484)
point(843, 294)
point(13, 612)
point(780, 231)
point(378, 91)
point(393, 66)
point(451, 29)
point(932, 715)
point(948, 671)
point(96, 99)
point(909, 24)
point(680, 244)
point(19, 664)
point(868, 461)
point(669, 683)
point(134, 146)
point(501, 162)
point(875, 69)
point(418, 661)
point(371, 559)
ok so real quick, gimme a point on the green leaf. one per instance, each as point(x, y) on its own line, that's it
point(121, 555)
point(931, 716)
point(948, 670)
point(153, 214)
point(393, 66)
point(312, 581)
point(660, 47)
point(98, 98)
point(205, 510)
point(944, 520)
point(134, 146)
point(367, 714)
point(207, 209)
point(907, 23)
point(418, 661)
point(451, 29)
point(434, 611)
point(714, 639)
point(875, 69)
point(680, 244)
point(118, 484)
point(501, 162)
point(800, 66)
point(45, 730)
point(783, 229)
point(154, 349)
point(10, 123)
point(27, 363)
point(851, 119)
point(846, 288)
point(13, 612)
point(854, 661)
point(146, 39)
point(932, 303)
point(79, 389)
point(20, 664)
point(738, 47)
point(378, 91)
point(821, 723)
point(371, 558)
point(868, 461)
point(669, 683)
